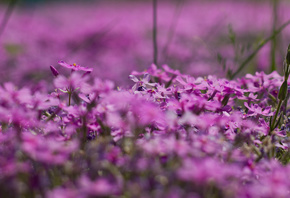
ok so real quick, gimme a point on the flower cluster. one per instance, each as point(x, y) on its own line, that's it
point(170, 135)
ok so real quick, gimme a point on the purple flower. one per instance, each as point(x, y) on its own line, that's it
point(190, 83)
point(255, 109)
point(155, 72)
point(142, 84)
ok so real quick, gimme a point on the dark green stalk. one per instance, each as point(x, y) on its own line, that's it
point(272, 127)
point(54, 177)
point(69, 95)
point(274, 39)
point(84, 130)
point(253, 54)
point(69, 98)
point(285, 104)
point(7, 15)
point(155, 46)
point(283, 92)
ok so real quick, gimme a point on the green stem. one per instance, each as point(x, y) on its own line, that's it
point(84, 135)
point(69, 96)
point(253, 54)
point(285, 104)
point(274, 39)
point(155, 47)
point(275, 116)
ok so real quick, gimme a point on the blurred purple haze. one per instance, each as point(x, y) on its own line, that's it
point(116, 37)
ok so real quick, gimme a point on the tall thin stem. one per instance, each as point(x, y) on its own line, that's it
point(69, 91)
point(155, 45)
point(274, 122)
point(274, 39)
point(7, 15)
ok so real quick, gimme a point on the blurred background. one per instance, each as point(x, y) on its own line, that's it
point(115, 37)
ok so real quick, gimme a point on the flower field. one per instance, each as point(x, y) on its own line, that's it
point(86, 111)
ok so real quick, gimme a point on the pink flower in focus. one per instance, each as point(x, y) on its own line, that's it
point(75, 67)
point(255, 110)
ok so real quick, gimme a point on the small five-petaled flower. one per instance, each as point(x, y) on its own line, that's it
point(75, 67)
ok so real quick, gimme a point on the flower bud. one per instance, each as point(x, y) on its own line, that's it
point(54, 71)
point(283, 91)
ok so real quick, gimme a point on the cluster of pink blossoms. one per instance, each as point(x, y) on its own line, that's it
point(170, 135)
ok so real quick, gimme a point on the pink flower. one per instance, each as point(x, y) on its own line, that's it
point(75, 67)
point(255, 109)
point(74, 81)
point(142, 84)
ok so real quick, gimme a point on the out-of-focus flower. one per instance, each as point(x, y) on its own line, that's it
point(48, 150)
point(65, 193)
point(99, 187)
point(74, 81)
